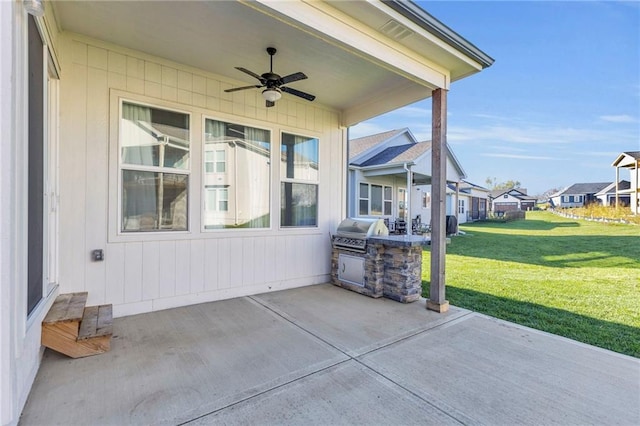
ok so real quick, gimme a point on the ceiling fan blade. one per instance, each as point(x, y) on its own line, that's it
point(251, 73)
point(292, 77)
point(235, 89)
point(270, 104)
point(298, 93)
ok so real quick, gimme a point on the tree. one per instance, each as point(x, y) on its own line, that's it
point(493, 184)
point(548, 193)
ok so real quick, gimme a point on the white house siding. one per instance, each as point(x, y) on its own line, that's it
point(20, 350)
point(506, 202)
point(147, 272)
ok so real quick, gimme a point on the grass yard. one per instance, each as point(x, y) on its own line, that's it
point(573, 278)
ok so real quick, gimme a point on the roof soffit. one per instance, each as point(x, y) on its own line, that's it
point(358, 37)
point(353, 67)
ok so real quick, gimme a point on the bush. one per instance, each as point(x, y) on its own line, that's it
point(506, 216)
point(604, 213)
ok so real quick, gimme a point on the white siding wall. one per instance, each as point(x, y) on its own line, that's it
point(143, 273)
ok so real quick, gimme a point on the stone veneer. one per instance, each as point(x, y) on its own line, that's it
point(392, 268)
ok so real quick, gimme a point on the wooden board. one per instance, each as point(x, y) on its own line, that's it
point(67, 307)
point(96, 322)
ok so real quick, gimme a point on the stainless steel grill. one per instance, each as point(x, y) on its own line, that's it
point(352, 233)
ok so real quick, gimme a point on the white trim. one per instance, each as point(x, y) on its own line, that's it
point(284, 179)
point(196, 177)
point(240, 121)
point(323, 19)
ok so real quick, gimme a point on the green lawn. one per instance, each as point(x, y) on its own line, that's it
point(569, 277)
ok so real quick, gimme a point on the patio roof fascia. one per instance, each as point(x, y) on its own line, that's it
point(423, 19)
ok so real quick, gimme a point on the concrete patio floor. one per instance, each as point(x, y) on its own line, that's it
point(325, 355)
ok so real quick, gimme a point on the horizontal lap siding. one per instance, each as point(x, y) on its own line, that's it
point(145, 275)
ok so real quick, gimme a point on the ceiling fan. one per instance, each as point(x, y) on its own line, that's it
point(274, 83)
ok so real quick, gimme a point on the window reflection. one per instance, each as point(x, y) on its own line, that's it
point(236, 176)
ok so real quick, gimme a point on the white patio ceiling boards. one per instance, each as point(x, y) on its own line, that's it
point(351, 51)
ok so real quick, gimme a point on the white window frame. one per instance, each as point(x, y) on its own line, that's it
point(285, 179)
point(369, 198)
point(115, 234)
point(50, 172)
point(196, 181)
point(220, 194)
point(153, 169)
point(239, 121)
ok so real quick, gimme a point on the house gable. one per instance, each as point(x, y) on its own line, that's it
point(368, 147)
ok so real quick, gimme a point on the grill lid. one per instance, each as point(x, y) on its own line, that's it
point(362, 228)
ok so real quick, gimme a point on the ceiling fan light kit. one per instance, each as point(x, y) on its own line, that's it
point(274, 83)
point(271, 95)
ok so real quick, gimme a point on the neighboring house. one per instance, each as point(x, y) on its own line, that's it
point(629, 160)
point(120, 135)
point(607, 196)
point(577, 195)
point(503, 200)
point(472, 202)
point(390, 176)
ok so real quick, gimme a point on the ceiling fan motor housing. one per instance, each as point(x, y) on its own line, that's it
point(274, 83)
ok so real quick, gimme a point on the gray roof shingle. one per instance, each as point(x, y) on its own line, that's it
point(359, 145)
point(585, 188)
point(398, 154)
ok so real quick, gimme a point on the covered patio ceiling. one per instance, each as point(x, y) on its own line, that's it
point(362, 58)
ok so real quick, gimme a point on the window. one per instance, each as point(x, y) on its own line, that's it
point(388, 200)
point(571, 198)
point(236, 182)
point(363, 209)
point(154, 166)
point(460, 206)
point(505, 196)
point(36, 167)
point(426, 200)
point(402, 202)
point(216, 199)
point(299, 181)
point(375, 200)
point(215, 161)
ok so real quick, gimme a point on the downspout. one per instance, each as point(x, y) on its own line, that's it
point(637, 187)
point(458, 205)
point(348, 209)
point(617, 187)
point(407, 206)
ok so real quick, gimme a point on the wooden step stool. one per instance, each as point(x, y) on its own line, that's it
point(75, 330)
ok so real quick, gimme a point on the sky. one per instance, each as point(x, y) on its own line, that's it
point(560, 102)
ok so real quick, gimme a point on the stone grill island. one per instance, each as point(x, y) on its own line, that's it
point(390, 266)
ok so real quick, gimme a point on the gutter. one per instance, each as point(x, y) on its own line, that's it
point(381, 166)
point(407, 205)
point(424, 20)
